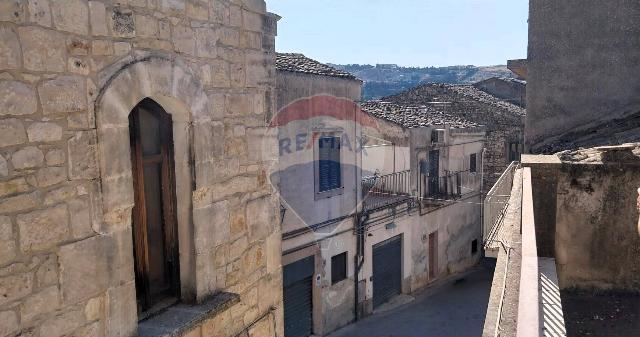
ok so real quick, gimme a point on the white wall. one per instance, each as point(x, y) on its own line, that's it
point(457, 224)
point(385, 159)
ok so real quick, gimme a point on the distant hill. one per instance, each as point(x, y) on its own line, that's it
point(388, 79)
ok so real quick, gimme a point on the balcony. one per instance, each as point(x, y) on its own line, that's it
point(380, 191)
point(566, 240)
point(495, 207)
point(438, 191)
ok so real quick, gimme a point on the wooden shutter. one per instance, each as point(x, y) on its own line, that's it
point(329, 172)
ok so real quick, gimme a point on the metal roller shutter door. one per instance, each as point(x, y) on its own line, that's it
point(298, 283)
point(387, 270)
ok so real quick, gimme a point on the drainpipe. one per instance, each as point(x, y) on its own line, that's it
point(359, 261)
point(482, 229)
point(357, 214)
point(393, 148)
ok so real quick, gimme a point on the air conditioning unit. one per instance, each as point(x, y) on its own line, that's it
point(437, 137)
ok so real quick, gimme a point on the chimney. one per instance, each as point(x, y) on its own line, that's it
point(518, 67)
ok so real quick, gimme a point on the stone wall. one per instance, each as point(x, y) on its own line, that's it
point(597, 242)
point(70, 73)
point(583, 71)
point(586, 214)
point(292, 86)
point(509, 89)
point(544, 178)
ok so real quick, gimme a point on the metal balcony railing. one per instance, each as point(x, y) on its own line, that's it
point(452, 185)
point(381, 190)
point(495, 204)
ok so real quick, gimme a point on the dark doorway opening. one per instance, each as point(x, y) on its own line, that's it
point(155, 232)
point(433, 255)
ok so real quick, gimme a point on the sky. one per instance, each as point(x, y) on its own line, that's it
point(403, 32)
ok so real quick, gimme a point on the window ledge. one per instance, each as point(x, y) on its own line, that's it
point(181, 318)
point(329, 193)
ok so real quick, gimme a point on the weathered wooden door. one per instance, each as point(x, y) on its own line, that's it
point(433, 255)
point(154, 216)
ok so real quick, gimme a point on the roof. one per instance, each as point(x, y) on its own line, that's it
point(298, 63)
point(595, 155)
point(413, 116)
point(504, 79)
point(460, 106)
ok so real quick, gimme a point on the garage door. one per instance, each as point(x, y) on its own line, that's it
point(298, 283)
point(387, 270)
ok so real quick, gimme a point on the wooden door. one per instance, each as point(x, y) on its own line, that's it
point(154, 216)
point(433, 255)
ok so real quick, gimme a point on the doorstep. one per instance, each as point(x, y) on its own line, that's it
point(181, 318)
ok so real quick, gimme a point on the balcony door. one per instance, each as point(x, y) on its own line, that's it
point(154, 216)
point(434, 172)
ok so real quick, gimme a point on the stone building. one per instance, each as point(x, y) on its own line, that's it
point(133, 170)
point(511, 90)
point(582, 78)
point(504, 121)
point(376, 208)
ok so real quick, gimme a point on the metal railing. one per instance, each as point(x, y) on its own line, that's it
point(495, 204)
point(452, 185)
point(378, 190)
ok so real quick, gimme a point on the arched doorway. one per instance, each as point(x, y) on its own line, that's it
point(155, 232)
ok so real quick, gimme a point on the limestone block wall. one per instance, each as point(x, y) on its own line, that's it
point(70, 73)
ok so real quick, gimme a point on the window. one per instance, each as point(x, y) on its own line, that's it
point(338, 268)
point(515, 150)
point(472, 163)
point(329, 170)
point(434, 136)
point(154, 215)
point(474, 246)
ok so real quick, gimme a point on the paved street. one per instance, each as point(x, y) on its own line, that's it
point(455, 310)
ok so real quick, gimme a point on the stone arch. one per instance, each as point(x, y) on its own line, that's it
point(169, 81)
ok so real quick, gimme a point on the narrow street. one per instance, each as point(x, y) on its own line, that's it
point(455, 309)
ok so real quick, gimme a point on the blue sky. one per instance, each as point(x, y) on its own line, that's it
point(405, 32)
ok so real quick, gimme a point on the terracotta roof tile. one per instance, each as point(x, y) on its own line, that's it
point(413, 116)
point(460, 106)
point(301, 64)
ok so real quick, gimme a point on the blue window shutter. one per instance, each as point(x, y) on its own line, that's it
point(329, 163)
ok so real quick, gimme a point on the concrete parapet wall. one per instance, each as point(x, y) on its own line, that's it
point(528, 309)
point(587, 218)
point(544, 175)
point(597, 240)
